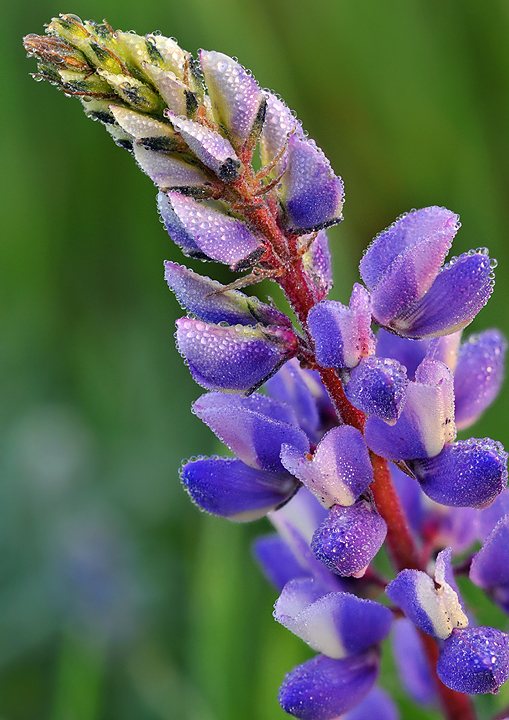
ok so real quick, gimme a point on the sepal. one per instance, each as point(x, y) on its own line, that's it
point(235, 359)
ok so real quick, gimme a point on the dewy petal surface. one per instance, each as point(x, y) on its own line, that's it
point(467, 473)
point(211, 302)
point(434, 226)
point(377, 386)
point(474, 660)
point(171, 172)
point(217, 235)
point(312, 195)
point(335, 624)
point(232, 359)
point(253, 428)
point(176, 228)
point(478, 375)
point(279, 124)
point(229, 488)
point(237, 100)
point(340, 469)
point(323, 688)
point(349, 538)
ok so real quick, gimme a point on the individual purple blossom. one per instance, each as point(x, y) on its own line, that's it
point(411, 294)
point(490, 566)
point(377, 386)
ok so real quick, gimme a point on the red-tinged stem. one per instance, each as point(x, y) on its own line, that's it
point(399, 536)
point(455, 705)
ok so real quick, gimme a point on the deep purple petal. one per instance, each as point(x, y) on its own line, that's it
point(209, 301)
point(411, 661)
point(229, 488)
point(217, 235)
point(349, 538)
point(478, 375)
point(342, 335)
point(432, 228)
point(377, 704)
point(474, 660)
point(237, 100)
point(460, 290)
point(340, 469)
point(323, 688)
point(377, 386)
point(277, 561)
point(243, 425)
point(232, 359)
point(467, 473)
point(490, 567)
point(211, 148)
point(312, 195)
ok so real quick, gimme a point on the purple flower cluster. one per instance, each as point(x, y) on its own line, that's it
point(344, 407)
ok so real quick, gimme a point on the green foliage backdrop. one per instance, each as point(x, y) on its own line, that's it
point(118, 600)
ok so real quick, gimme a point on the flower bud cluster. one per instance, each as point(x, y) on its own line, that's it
point(340, 398)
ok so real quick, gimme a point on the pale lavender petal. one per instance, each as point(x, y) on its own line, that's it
point(229, 488)
point(474, 660)
point(377, 386)
point(279, 124)
point(171, 172)
point(294, 386)
point(208, 300)
point(467, 473)
point(377, 704)
point(336, 624)
point(232, 359)
point(460, 290)
point(433, 226)
point(445, 349)
point(342, 335)
point(413, 667)
point(490, 567)
point(323, 688)
point(177, 230)
point(246, 428)
point(312, 195)
point(410, 353)
point(175, 93)
point(340, 469)
point(145, 127)
point(218, 235)
point(422, 427)
point(478, 375)
point(434, 606)
point(277, 561)
point(349, 538)
point(209, 146)
point(237, 101)
point(318, 263)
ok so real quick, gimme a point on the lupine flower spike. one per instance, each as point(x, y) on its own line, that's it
point(341, 426)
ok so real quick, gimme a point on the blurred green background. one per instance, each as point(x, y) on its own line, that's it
point(118, 599)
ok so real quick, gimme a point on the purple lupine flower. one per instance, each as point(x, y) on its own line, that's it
point(411, 294)
point(377, 386)
point(490, 566)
